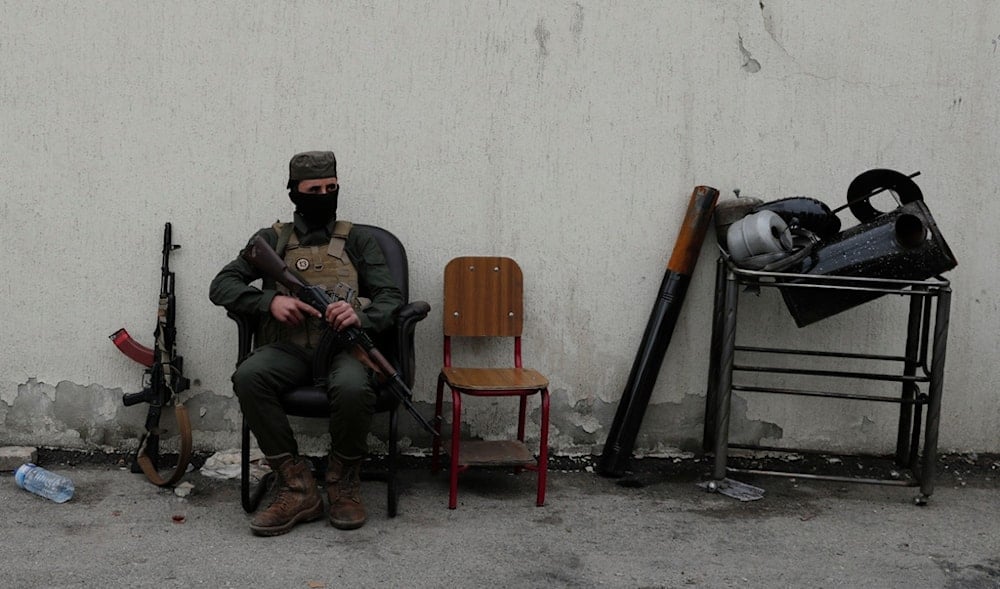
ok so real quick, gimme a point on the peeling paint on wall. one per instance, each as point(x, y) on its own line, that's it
point(666, 427)
point(73, 415)
point(65, 414)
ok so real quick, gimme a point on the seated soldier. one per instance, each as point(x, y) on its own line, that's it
point(325, 252)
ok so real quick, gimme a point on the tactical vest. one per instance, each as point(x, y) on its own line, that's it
point(327, 266)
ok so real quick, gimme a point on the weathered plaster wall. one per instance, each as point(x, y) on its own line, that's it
point(567, 135)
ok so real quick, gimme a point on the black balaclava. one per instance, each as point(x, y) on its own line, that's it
point(317, 210)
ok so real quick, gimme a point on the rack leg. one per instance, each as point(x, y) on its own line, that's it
point(928, 470)
point(711, 394)
point(727, 348)
point(906, 421)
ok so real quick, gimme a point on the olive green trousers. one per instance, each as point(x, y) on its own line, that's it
point(276, 368)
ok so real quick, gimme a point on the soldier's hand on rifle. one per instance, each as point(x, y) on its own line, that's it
point(341, 315)
point(291, 310)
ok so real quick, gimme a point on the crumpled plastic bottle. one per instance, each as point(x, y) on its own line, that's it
point(39, 481)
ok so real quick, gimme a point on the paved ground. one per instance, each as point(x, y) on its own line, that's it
point(657, 530)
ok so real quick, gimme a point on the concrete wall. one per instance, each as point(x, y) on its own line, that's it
point(567, 135)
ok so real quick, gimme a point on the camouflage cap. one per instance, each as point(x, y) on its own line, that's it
point(311, 165)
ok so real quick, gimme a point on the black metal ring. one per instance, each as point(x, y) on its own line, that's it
point(870, 183)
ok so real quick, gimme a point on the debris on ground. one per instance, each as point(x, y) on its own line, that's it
point(733, 488)
point(226, 465)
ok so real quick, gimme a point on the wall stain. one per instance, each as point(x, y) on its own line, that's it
point(750, 65)
point(542, 37)
point(769, 26)
point(576, 23)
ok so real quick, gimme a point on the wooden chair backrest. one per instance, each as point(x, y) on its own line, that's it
point(483, 297)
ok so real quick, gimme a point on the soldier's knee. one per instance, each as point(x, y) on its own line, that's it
point(246, 382)
point(352, 397)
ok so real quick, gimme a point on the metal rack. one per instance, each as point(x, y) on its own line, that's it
point(919, 370)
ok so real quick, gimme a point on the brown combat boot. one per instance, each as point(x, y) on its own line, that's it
point(297, 500)
point(343, 488)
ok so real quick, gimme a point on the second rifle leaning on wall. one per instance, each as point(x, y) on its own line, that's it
point(163, 379)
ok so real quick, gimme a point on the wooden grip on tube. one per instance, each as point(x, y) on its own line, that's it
point(692, 233)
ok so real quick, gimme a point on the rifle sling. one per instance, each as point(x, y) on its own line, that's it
point(183, 458)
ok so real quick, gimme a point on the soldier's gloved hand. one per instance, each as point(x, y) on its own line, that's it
point(290, 310)
point(341, 315)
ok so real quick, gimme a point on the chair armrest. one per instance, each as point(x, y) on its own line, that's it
point(413, 311)
point(246, 325)
point(406, 322)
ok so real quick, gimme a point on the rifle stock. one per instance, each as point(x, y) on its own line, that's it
point(262, 256)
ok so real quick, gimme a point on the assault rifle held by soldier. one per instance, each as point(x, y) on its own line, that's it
point(261, 256)
point(163, 379)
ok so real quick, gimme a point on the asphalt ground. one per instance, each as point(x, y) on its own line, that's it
point(653, 528)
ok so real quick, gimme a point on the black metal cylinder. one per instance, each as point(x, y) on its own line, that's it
point(645, 369)
point(904, 244)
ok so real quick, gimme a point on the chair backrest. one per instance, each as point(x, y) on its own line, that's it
point(483, 297)
point(399, 268)
point(395, 257)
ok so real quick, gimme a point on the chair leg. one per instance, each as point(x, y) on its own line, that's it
point(522, 415)
point(543, 450)
point(245, 468)
point(438, 422)
point(249, 500)
point(456, 428)
point(393, 490)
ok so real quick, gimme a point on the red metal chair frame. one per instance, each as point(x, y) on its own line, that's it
point(494, 310)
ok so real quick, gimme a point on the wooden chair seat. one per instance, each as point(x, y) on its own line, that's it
point(494, 379)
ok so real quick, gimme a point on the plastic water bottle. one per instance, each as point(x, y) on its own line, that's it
point(43, 482)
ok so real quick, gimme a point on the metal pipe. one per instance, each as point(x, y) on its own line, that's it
point(823, 477)
point(833, 373)
point(725, 384)
point(907, 391)
point(711, 394)
point(934, 392)
point(827, 394)
point(820, 353)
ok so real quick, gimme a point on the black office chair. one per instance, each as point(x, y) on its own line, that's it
point(310, 401)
